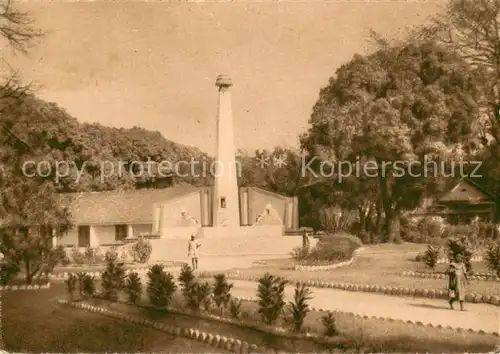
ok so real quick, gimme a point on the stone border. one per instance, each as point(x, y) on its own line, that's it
point(437, 275)
point(25, 287)
point(140, 270)
point(386, 290)
point(214, 340)
point(316, 268)
point(388, 319)
point(473, 259)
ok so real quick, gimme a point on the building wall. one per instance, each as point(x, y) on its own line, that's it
point(141, 228)
point(171, 211)
point(70, 238)
point(104, 234)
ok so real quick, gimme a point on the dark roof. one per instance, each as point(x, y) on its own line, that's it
point(119, 207)
point(453, 195)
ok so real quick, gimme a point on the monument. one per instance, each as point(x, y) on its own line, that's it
point(226, 205)
point(227, 220)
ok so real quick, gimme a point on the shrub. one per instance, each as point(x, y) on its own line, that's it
point(300, 253)
point(141, 250)
point(271, 294)
point(111, 255)
point(198, 294)
point(80, 276)
point(77, 256)
point(161, 286)
point(334, 248)
point(299, 307)
point(235, 307)
point(133, 287)
point(113, 280)
point(492, 257)
point(7, 272)
point(58, 256)
point(186, 278)
point(329, 324)
point(431, 255)
point(222, 292)
point(91, 256)
point(71, 283)
point(88, 285)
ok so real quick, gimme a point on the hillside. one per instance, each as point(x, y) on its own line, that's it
point(88, 156)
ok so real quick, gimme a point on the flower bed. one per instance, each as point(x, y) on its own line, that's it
point(440, 275)
point(315, 268)
point(25, 287)
point(387, 290)
point(141, 270)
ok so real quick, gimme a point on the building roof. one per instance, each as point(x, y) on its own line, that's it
point(119, 207)
point(467, 190)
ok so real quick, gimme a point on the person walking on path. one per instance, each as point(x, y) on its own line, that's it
point(193, 252)
point(457, 280)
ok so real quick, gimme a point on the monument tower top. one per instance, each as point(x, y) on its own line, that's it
point(223, 82)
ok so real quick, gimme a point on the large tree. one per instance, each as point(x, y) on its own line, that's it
point(399, 104)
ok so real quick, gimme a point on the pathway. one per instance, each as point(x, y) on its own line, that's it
point(478, 316)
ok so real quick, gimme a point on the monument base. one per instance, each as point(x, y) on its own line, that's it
point(242, 231)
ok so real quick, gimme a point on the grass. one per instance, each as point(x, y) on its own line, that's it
point(32, 321)
point(375, 265)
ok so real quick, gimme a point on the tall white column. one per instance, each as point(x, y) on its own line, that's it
point(226, 199)
point(130, 231)
point(244, 207)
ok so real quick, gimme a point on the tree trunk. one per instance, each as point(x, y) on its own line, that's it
point(29, 275)
point(392, 217)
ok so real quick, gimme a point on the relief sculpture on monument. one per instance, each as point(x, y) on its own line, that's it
point(186, 219)
point(269, 217)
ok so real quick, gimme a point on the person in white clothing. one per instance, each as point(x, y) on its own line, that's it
point(193, 251)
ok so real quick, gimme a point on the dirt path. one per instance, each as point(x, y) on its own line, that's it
point(477, 316)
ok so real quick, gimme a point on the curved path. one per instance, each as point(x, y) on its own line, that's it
point(477, 316)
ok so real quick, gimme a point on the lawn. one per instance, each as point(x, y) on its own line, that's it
point(32, 321)
point(375, 265)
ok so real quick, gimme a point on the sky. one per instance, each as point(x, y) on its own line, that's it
point(154, 64)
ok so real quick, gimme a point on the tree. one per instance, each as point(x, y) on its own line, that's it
point(399, 104)
point(471, 28)
point(299, 307)
point(113, 280)
point(161, 286)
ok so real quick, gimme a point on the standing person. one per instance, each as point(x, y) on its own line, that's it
point(457, 279)
point(193, 251)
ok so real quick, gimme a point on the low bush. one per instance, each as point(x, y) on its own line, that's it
point(71, 284)
point(330, 249)
point(8, 271)
point(141, 250)
point(113, 280)
point(77, 257)
point(222, 292)
point(92, 256)
point(161, 286)
point(80, 276)
point(235, 308)
point(492, 257)
point(198, 294)
point(431, 256)
point(271, 294)
point(133, 287)
point(330, 325)
point(299, 307)
point(88, 284)
point(111, 255)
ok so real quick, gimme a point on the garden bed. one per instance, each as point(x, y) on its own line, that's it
point(355, 333)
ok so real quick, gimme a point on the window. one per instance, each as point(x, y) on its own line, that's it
point(223, 202)
point(120, 232)
point(83, 236)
